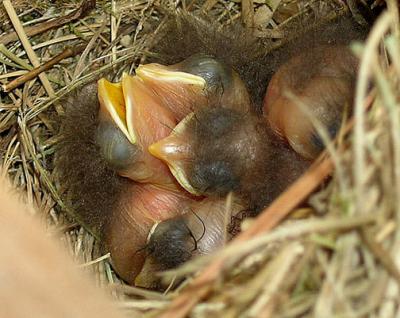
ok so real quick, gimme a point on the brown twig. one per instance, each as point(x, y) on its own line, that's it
point(27, 45)
point(81, 12)
point(68, 52)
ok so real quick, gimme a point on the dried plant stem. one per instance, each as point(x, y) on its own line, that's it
point(68, 52)
point(282, 265)
point(287, 232)
point(269, 218)
point(248, 13)
point(27, 46)
point(14, 58)
point(81, 63)
point(95, 261)
point(381, 254)
point(114, 30)
point(367, 60)
point(43, 27)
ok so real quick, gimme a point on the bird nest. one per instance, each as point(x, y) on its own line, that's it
point(334, 257)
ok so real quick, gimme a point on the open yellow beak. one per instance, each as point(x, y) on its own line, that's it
point(140, 116)
point(112, 97)
point(161, 73)
point(180, 92)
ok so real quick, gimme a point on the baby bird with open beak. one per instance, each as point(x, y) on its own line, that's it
point(112, 126)
point(143, 109)
point(215, 151)
point(131, 118)
point(116, 209)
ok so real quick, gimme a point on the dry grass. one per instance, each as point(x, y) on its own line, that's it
point(344, 264)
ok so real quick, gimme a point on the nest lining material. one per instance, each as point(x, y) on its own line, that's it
point(342, 264)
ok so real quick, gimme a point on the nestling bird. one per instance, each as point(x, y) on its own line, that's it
point(207, 125)
point(116, 209)
point(200, 230)
point(324, 93)
point(217, 151)
point(130, 116)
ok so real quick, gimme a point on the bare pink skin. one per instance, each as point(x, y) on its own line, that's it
point(207, 220)
point(127, 233)
point(215, 215)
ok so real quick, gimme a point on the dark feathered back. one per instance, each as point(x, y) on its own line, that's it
point(92, 188)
